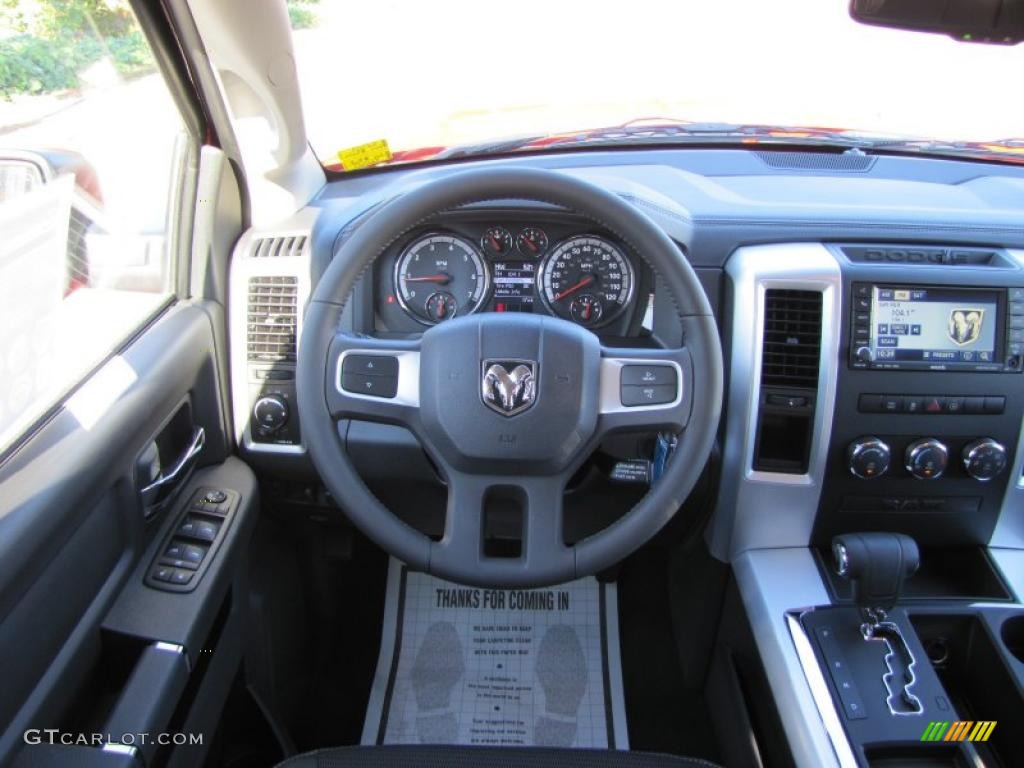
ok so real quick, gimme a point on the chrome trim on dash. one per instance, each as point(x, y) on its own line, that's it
point(1009, 528)
point(243, 266)
point(772, 509)
point(823, 698)
point(772, 583)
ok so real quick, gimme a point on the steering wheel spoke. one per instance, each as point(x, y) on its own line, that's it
point(373, 379)
point(645, 389)
point(518, 517)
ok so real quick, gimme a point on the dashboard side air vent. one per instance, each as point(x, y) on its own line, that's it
point(790, 357)
point(268, 247)
point(816, 161)
point(792, 338)
point(271, 319)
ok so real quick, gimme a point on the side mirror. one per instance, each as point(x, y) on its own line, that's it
point(998, 22)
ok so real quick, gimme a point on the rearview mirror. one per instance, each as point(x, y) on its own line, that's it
point(970, 21)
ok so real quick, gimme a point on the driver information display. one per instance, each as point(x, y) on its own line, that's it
point(513, 286)
point(933, 325)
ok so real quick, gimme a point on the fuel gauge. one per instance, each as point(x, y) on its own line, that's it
point(532, 242)
point(441, 306)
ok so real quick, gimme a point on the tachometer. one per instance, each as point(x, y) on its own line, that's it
point(587, 280)
point(440, 276)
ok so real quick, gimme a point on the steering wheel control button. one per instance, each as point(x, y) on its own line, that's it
point(648, 375)
point(868, 457)
point(374, 386)
point(656, 394)
point(370, 365)
point(927, 458)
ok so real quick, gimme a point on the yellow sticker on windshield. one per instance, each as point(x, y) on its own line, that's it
point(365, 155)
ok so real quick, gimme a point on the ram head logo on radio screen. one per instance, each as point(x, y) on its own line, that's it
point(965, 325)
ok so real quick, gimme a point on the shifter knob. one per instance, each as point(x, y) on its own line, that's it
point(876, 564)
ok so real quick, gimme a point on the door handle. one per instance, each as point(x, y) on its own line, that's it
point(153, 493)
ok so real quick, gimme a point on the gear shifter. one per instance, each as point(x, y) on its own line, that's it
point(877, 564)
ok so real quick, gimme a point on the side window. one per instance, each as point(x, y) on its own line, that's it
point(87, 141)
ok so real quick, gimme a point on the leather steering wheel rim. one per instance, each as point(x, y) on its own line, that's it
point(697, 415)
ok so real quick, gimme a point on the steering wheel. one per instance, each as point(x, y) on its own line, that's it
point(508, 406)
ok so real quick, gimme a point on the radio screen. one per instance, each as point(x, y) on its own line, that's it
point(933, 325)
point(514, 286)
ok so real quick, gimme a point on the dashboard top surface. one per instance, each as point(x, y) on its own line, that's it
point(716, 200)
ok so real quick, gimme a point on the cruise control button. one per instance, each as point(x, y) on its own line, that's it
point(375, 386)
point(648, 375)
point(658, 394)
point(370, 365)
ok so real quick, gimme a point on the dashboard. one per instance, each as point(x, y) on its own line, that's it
point(502, 260)
point(871, 312)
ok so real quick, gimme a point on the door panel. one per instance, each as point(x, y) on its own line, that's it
point(73, 535)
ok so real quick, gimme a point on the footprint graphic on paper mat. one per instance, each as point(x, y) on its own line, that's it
point(562, 672)
point(436, 671)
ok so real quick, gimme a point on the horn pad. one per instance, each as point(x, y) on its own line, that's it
point(503, 392)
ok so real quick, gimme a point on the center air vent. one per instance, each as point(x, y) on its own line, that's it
point(792, 339)
point(279, 246)
point(271, 319)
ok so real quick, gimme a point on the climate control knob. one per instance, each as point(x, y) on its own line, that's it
point(927, 458)
point(984, 459)
point(868, 457)
point(270, 412)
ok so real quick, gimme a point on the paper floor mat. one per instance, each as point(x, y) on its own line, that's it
point(502, 667)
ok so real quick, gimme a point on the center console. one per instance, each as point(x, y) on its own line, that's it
point(929, 401)
point(941, 685)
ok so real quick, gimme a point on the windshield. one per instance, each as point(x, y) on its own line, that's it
point(454, 72)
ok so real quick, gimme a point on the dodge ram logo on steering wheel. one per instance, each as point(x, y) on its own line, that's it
point(509, 386)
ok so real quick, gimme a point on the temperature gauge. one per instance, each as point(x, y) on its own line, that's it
point(496, 241)
point(586, 309)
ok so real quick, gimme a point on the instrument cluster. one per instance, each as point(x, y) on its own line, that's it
point(457, 267)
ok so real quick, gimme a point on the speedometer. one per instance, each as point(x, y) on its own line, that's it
point(586, 279)
point(440, 276)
